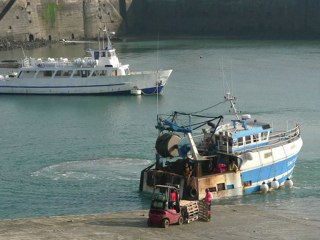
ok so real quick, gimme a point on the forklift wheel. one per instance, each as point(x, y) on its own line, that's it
point(165, 223)
point(180, 221)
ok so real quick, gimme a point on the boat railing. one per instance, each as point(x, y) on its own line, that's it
point(42, 63)
point(284, 136)
point(274, 140)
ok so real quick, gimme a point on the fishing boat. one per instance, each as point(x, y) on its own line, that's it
point(243, 156)
point(99, 73)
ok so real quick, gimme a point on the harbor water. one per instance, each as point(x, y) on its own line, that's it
point(64, 155)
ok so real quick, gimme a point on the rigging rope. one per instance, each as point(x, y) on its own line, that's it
point(209, 107)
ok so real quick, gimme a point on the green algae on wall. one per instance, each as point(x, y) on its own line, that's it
point(50, 13)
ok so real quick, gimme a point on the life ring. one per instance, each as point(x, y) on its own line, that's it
point(193, 192)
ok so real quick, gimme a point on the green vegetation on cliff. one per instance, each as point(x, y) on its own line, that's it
point(50, 13)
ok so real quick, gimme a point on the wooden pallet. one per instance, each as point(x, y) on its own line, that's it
point(191, 210)
point(204, 211)
point(193, 218)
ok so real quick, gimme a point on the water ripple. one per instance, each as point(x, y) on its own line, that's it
point(94, 169)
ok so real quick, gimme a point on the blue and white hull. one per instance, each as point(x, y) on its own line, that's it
point(259, 169)
point(280, 170)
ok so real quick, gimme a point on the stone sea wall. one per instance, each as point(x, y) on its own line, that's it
point(297, 18)
point(28, 20)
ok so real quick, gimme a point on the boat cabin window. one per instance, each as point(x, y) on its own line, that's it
point(76, 73)
point(63, 74)
point(85, 73)
point(96, 55)
point(103, 54)
point(240, 141)
point(46, 73)
point(27, 74)
point(99, 73)
point(235, 142)
point(66, 73)
point(81, 73)
point(58, 73)
point(255, 137)
point(248, 139)
point(264, 136)
point(114, 73)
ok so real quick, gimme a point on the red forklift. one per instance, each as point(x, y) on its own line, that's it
point(165, 207)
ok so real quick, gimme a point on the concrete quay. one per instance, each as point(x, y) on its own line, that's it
point(228, 222)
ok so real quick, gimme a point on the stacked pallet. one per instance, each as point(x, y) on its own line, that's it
point(204, 211)
point(190, 210)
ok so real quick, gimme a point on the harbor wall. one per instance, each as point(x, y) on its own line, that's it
point(42, 19)
point(27, 20)
point(232, 17)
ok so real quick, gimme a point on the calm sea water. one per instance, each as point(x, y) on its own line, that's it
point(64, 155)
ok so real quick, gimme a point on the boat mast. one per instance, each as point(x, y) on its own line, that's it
point(109, 46)
point(232, 99)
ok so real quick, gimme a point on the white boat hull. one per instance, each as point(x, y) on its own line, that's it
point(148, 82)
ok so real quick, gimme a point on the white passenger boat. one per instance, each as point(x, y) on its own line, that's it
point(99, 73)
point(241, 157)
